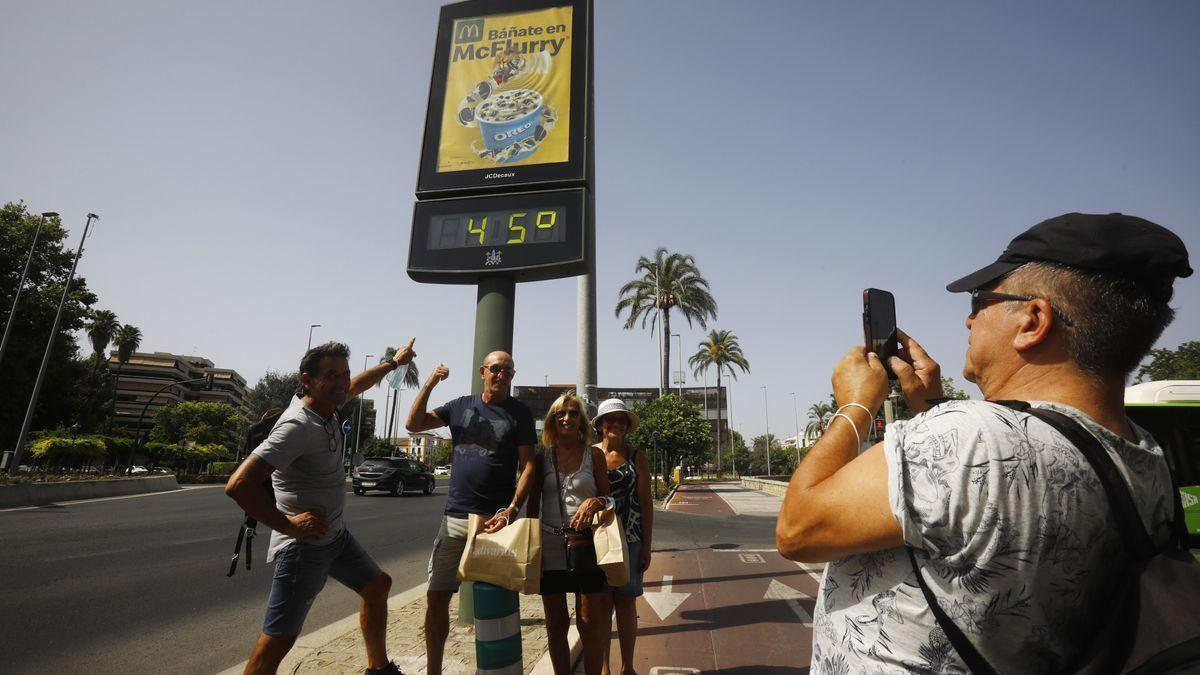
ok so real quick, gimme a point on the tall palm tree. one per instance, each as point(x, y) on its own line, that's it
point(127, 339)
point(819, 413)
point(412, 380)
point(100, 331)
point(720, 349)
point(668, 281)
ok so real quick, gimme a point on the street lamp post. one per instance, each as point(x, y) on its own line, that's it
point(358, 424)
point(37, 385)
point(315, 325)
point(141, 417)
point(796, 415)
point(17, 296)
point(767, 422)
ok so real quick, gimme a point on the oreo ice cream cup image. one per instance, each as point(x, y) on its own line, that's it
point(509, 117)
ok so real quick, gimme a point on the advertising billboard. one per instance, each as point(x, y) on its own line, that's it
point(508, 100)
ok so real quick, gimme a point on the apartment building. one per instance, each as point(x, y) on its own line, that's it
point(164, 377)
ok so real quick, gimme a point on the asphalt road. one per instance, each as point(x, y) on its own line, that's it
point(138, 585)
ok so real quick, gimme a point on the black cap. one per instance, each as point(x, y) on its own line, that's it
point(1115, 243)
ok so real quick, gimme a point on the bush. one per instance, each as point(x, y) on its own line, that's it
point(201, 478)
point(222, 468)
point(63, 450)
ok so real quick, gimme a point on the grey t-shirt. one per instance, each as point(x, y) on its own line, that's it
point(306, 451)
point(1013, 534)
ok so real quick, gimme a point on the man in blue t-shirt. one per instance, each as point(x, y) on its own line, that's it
point(493, 435)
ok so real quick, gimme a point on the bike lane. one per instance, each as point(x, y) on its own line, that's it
point(722, 609)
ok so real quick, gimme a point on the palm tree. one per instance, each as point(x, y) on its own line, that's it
point(669, 281)
point(819, 413)
point(127, 339)
point(722, 350)
point(100, 331)
point(412, 380)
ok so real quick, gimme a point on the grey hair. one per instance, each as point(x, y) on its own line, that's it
point(1116, 320)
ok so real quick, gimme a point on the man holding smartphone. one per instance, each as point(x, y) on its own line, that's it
point(1005, 519)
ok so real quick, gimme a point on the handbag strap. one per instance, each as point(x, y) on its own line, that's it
point(971, 656)
point(1120, 499)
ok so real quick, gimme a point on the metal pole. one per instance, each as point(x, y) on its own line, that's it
point(729, 419)
point(21, 284)
point(660, 366)
point(585, 320)
point(493, 322)
point(358, 424)
point(315, 325)
point(767, 422)
point(37, 385)
point(796, 415)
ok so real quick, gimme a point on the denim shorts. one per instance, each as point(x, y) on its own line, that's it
point(300, 573)
point(633, 589)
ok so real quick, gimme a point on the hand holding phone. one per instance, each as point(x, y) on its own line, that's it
point(879, 326)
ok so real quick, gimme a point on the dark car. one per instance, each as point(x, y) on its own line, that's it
point(396, 475)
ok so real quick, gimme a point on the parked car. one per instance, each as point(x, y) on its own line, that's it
point(396, 475)
point(138, 471)
point(441, 471)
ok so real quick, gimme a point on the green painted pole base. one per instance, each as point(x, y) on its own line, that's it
point(497, 630)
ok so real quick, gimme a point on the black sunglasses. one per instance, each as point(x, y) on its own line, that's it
point(979, 297)
point(496, 369)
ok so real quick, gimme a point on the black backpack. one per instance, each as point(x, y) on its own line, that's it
point(249, 527)
point(1153, 625)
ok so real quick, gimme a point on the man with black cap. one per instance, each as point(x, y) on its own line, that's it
point(1004, 518)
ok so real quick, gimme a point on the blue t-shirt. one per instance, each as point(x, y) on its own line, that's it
point(485, 435)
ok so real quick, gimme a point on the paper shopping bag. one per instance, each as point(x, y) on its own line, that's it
point(612, 551)
point(510, 558)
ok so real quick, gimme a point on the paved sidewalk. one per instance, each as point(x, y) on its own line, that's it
point(337, 649)
point(728, 610)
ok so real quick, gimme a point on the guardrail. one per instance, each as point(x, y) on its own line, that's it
point(38, 494)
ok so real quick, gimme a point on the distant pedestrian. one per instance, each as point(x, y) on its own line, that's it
point(493, 436)
point(629, 481)
point(572, 490)
point(303, 458)
point(1007, 524)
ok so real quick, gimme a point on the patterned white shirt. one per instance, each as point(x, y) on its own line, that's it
point(1013, 534)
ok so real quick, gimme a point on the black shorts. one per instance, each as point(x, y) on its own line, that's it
point(589, 579)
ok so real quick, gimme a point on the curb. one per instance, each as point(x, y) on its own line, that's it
point(41, 494)
point(670, 496)
point(308, 643)
point(545, 667)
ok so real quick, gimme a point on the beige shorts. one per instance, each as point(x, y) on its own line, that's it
point(447, 551)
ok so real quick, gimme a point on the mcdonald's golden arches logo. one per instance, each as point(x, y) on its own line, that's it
point(468, 31)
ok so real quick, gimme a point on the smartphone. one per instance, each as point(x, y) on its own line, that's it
point(879, 325)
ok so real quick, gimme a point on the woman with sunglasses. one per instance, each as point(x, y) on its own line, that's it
point(629, 479)
point(574, 489)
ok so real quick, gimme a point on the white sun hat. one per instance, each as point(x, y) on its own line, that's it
point(616, 405)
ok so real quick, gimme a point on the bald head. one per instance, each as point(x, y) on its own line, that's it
point(497, 372)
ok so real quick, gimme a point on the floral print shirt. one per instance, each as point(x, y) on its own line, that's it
point(1013, 535)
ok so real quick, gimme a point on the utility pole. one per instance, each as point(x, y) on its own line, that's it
point(767, 422)
point(796, 415)
point(21, 284)
point(41, 376)
point(358, 424)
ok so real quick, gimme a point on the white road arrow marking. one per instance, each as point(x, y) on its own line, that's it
point(664, 602)
point(781, 591)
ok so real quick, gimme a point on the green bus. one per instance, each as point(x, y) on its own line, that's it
point(1170, 410)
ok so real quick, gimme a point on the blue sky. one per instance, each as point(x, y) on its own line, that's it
point(253, 165)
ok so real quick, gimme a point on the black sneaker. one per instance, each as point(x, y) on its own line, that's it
point(389, 669)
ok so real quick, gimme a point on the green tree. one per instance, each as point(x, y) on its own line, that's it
point(274, 390)
point(779, 456)
point(377, 447)
point(194, 422)
point(668, 281)
point(1181, 363)
point(350, 412)
point(676, 428)
point(819, 413)
point(62, 392)
point(722, 351)
point(950, 391)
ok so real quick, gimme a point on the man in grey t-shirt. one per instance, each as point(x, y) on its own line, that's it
point(1007, 522)
point(309, 541)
